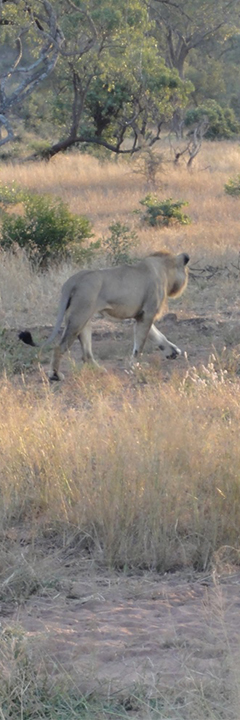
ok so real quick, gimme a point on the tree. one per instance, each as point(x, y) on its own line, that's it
point(185, 25)
point(31, 40)
point(114, 84)
point(188, 30)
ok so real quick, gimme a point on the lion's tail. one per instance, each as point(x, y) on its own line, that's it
point(26, 336)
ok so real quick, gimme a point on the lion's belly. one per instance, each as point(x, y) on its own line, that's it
point(122, 311)
point(121, 302)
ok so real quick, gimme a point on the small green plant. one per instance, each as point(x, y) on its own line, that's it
point(46, 229)
point(119, 244)
point(232, 187)
point(149, 164)
point(163, 212)
point(11, 194)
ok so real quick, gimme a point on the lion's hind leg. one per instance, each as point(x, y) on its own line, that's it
point(85, 337)
point(71, 332)
point(140, 332)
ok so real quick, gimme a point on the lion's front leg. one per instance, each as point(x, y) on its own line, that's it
point(168, 349)
point(141, 329)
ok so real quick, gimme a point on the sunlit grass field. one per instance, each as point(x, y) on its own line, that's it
point(109, 192)
point(148, 480)
point(141, 476)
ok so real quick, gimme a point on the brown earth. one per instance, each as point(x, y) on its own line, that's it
point(177, 635)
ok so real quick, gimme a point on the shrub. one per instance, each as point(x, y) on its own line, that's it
point(11, 194)
point(47, 230)
point(163, 212)
point(222, 121)
point(149, 164)
point(119, 243)
point(232, 187)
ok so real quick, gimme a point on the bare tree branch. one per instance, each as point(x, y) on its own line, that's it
point(137, 145)
point(196, 143)
point(193, 144)
point(28, 77)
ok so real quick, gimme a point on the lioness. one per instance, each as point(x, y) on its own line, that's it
point(127, 291)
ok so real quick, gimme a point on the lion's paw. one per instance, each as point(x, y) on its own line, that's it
point(54, 376)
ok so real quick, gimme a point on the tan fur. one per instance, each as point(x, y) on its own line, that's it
point(126, 291)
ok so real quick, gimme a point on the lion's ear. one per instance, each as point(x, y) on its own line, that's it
point(183, 258)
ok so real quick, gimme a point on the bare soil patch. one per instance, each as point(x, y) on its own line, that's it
point(176, 635)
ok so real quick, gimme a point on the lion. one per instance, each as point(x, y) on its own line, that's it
point(127, 291)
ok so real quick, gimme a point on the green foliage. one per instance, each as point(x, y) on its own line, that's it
point(163, 212)
point(222, 121)
point(114, 82)
point(11, 194)
point(232, 187)
point(206, 74)
point(47, 229)
point(119, 244)
point(104, 102)
point(121, 76)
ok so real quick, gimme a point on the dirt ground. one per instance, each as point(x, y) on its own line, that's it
point(198, 337)
point(175, 635)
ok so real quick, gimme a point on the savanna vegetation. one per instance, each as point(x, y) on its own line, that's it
point(113, 78)
point(119, 136)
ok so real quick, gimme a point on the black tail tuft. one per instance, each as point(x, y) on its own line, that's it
point(26, 337)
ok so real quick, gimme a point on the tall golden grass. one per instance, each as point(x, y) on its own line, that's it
point(149, 480)
point(111, 191)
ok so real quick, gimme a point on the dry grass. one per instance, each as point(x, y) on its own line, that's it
point(27, 297)
point(111, 191)
point(124, 474)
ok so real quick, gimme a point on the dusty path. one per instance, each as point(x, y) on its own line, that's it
point(113, 633)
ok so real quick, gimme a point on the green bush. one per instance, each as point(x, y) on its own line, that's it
point(119, 244)
point(232, 187)
point(47, 229)
point(163, 212)
point(11, 194)
point(222, 121)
